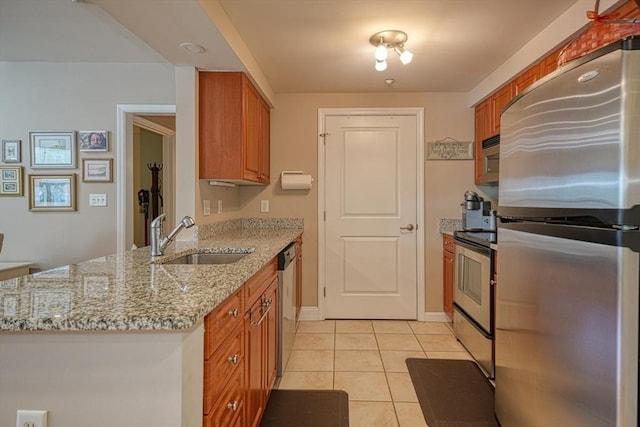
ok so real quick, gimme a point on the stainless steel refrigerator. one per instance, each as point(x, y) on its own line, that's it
point(568, 264)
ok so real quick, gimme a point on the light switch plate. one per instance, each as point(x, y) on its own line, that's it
point(97, 199)
point(206, 208)
point(264, 206)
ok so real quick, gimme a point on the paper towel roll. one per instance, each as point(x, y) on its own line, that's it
point(295, 180)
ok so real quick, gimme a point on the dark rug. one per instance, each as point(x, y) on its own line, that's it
point(307, 408)
point(453, 393)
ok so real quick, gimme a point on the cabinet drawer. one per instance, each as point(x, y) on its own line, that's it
point(448, 243)
point(228, 358)
point(221, 321)
point(229, 408)
point(256, 285)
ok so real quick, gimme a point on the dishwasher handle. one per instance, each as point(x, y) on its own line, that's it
point(286, 256)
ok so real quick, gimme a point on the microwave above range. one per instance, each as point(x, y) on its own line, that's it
point(490, 160)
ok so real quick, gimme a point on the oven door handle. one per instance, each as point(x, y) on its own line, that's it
point(476, 248)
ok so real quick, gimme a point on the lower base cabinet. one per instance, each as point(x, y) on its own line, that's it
point(240, 360)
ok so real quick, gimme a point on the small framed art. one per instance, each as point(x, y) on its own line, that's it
point(52, 193)
point(94, 140)
point(11, 181)
point(97, 170)
point(53, 150)
point(11, 151)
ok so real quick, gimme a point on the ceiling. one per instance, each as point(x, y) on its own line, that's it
point(299, 45)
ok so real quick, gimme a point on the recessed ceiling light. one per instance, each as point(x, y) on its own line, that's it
point(389, 82)
point(192, 47)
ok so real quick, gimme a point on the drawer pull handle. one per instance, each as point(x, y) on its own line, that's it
point(233, 405)
point(234, 313)
point(233, 359)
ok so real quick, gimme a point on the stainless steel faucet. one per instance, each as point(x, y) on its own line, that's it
point(159, 243)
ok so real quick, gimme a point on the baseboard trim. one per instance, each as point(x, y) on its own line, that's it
point(436, 316)
point(309, 313)
point(313, 313)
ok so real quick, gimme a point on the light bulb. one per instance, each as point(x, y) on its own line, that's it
point(406, 57)
point(381, 52)
point(381, 65)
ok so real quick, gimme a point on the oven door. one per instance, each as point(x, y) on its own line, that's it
point(472, 290)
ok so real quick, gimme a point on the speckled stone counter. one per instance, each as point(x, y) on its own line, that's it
point(130, 291)
point(448, 226)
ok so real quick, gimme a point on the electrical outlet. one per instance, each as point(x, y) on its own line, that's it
point(264, 206)
point(206, 210)
point(219, 206)
point(97, 199)
point(28, 418)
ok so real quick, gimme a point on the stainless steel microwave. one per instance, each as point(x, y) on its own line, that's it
point(490, 160)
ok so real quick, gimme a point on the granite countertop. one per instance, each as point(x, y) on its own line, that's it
point(449, 225)
point(130, 291)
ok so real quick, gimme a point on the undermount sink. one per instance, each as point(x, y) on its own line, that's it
point(207, 258)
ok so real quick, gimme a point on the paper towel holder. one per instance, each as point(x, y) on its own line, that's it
point(287, 175)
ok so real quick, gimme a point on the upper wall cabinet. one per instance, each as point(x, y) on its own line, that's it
point(234, 127)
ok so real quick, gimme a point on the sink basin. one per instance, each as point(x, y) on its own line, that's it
point(204, 258)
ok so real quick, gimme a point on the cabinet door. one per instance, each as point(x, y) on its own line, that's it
point(254, 333)
point(498, 101)
point(253, 133)
point(265, 158)
point(482, 131)
point(526, 79)
point(298, 277)
point(549, 64)
point(448, 273)
point(271, 337)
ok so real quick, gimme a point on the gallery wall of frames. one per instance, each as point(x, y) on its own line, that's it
point(53, 157)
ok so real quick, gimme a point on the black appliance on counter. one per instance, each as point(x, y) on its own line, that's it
point(474, 295)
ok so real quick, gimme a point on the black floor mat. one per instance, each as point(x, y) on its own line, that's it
point(308, 408)
point(453, 393)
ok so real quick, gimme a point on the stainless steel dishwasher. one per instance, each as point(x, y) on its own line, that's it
point(286, 304)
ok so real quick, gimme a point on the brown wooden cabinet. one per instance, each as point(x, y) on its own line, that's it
point(261, 341)
point(525, 79)
point(298, 278)
point(234, 129)
point(240, 353)
point(448, 247)
point(224, 355)
point(498, 101)
point(483, 129)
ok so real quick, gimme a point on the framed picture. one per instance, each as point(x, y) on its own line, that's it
point(97, 170)
point(53, 150)
point(11, 181)
point(11, 151)
point(52, 193)
point(94, 140)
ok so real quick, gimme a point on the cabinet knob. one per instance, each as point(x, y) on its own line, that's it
point(233, 313)
point(233, 405)
point(233, 359)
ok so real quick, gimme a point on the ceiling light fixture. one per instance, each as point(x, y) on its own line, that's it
point(192, 47)
point(390, 39)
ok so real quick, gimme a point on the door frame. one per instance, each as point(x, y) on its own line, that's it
point(418, 112)
point(124, 166)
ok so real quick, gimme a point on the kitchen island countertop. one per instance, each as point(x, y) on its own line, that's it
point(132, 291)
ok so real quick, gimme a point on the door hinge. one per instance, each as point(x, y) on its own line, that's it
point(325, 291)
point(325, 134)
point(324, 216)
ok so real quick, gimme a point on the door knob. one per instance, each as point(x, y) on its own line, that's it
point(408, 227)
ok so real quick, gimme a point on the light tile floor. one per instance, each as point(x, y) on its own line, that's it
point(366, 358)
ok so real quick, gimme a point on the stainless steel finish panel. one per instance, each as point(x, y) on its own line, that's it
point(287, 305)
point(478, 345)
point(473, 270)
point(571, 142)
point(566, 333)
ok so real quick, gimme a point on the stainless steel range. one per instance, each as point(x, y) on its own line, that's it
point(473, 295)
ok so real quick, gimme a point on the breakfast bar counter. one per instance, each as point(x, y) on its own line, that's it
point(119, 340)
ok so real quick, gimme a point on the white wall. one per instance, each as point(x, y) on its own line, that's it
point(69, 96)
point(104, 379)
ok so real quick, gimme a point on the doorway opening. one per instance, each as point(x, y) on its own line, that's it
point(158, 120)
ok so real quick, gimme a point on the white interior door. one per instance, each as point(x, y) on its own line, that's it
point(371, 206)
